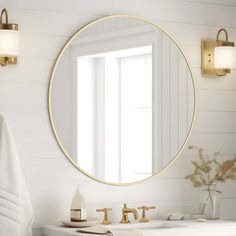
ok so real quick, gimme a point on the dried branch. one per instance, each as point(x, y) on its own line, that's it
point(209, 171)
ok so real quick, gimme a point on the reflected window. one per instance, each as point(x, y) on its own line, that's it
point(114, 114)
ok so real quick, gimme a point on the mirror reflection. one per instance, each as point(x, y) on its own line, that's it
point(121, 99)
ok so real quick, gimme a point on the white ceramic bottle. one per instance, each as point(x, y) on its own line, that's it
point(78, 211)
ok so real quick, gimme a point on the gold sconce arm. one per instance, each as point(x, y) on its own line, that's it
point(4, 12)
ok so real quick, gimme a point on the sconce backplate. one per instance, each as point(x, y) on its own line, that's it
point(208, 68)
point(7, 60)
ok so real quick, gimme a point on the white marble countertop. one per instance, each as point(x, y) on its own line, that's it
point(189, 228)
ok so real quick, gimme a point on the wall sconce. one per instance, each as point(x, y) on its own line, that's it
point(9, 40)
point(219, 56)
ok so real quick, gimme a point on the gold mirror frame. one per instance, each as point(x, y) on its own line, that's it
point(50, 99)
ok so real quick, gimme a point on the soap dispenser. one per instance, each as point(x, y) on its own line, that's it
point(78, 211)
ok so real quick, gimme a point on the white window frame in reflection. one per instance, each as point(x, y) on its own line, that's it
point(109, 133)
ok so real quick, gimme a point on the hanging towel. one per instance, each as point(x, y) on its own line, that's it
point(16, 213)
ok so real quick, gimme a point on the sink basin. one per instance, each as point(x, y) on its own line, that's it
point(150, 228)
point(159, 226)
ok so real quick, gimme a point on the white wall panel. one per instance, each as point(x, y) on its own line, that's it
point(23, 95)
point(224, 122)
point(216, 100)
point(37, 146)
point(226, 83)
point(19, 74)
point(215, 142)
point(168, 10)
point(45, 26)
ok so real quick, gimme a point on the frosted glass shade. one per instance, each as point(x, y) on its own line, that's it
point(225, 57)
point(9, 42)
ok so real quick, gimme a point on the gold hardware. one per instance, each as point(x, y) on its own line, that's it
point(208, 56)
point(226, 42)
point(208, 59)
point(105, 221)
point(6, 59)
point(6, 25)
point(4, 11)
point(144, 215)
point(125, 212)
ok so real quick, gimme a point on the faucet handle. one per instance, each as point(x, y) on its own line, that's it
point(144, 214)
point(105, 221)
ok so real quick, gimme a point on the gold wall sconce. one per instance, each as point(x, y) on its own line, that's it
point(9, 40)
point(218, 56)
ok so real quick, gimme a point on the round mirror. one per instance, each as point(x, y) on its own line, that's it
point(121, 99)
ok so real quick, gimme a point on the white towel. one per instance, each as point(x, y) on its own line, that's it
point(101, 230)
point(16, 213)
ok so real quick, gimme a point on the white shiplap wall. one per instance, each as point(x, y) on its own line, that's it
point(45, 26)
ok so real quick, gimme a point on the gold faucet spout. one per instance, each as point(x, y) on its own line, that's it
point(125, 212)
point(135, 213)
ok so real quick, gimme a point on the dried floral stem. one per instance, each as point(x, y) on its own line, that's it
point(204, 205)
point(209, 196)
point(208, 172)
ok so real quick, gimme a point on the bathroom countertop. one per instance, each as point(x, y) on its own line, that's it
point(214, 227)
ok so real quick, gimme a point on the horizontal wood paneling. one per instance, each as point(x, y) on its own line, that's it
point(21, 74)
point(49, 46)
point(165, 10)
point(210, 100)
point(45, 26)
point(37, 146)
point(225, 83)
point(230, 3)
point(50, 169)
point(224, 122)
point(60, 194)
point(23, 95)
point(215, 142)
point(33, 23)
point(28, 120)
point(40, 169)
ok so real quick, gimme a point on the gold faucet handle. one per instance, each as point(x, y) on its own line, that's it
point(144, 214)
point(146, 208)
point(105, 221)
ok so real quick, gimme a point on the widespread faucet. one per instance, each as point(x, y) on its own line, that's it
point(125, 212)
